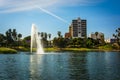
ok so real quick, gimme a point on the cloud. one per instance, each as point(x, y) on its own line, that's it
point(23, 5)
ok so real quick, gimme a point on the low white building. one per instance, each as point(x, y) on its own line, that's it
point(98, 36)
point(107, 40)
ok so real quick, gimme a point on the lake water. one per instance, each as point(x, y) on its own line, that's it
point(60, 66)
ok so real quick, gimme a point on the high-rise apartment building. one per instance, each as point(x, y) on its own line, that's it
point(77, 29)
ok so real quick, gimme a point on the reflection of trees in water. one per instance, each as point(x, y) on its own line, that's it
point(77, 66)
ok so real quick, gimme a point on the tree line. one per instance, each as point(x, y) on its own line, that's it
point(12, 39)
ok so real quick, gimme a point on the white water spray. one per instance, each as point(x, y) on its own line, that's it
point(35, 40)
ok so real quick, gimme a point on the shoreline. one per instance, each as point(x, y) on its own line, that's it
point(81, 49)
point(13, 51)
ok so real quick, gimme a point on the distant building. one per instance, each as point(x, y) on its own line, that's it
point(77, 29)
point(113, 40)
point(98, 36)
point(107, 40)
point(67, 35)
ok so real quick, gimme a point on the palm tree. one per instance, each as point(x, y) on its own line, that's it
point(59, 34)
point(117, 35)
point(45, 35)
point(49, 35)
point(42, 35)
point(10, 31)
point(114, 35)
point(49, 42)
point(14, 35)
point(96, 33)
point(102, 39)
point(19, 36)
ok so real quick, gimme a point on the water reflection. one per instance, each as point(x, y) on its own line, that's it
point(49, 66)
point(77, 66)
point(61, 66)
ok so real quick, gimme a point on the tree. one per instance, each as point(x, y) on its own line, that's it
point(26, 41)
point(19, 36)
point(89, 42)
point(9, 37)
point(2, 39)
point(96, 33)
point(14, 35)
point(45, 35)
point(59, 34)
point(59, 42)
point(49, 42)
point(102, 39)
point(117, 35)
point(42, 35)
point(49, 35)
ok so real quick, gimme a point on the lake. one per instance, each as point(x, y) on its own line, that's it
point(60, 66)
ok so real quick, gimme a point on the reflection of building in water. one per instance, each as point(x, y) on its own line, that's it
point(78, 67)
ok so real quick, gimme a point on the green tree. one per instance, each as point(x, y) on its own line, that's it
point(49, 36)
point(26, 41)
point(96, 33)
point(45, 35)
point(59, 42)
point(14, 35)
point(9, 38)
point(117, 35)
point(59, 33)
point(49, 42)
point(89, 43)
point(2, 40)
point(42, 35)
point(19, 36)
point(102, 39)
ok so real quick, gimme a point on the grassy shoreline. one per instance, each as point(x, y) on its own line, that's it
point(7, 50)
point(10, 50)
point(77, 49)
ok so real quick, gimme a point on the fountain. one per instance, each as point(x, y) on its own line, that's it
point(35, 40)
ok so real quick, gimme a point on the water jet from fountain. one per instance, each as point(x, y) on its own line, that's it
point(35, 40)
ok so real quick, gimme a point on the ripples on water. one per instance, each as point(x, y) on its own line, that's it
point(60, 66)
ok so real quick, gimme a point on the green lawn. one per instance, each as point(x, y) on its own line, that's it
point(7, 50)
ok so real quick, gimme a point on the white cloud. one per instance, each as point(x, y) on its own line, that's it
point(22, 5)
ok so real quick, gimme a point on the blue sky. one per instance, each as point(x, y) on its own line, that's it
point(55, 15)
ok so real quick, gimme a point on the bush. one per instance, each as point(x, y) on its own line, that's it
point(115, 46)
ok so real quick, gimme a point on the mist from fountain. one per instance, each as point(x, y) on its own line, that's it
point(35, 40)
